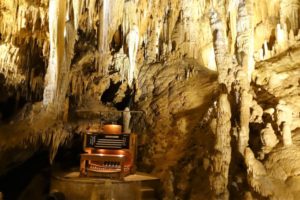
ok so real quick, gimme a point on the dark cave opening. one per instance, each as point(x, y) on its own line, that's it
point(68, 155)
point(33, 176)
point(10, 107)
point(6, 108)
point(109, 94)
point(15, 181)
point(117, 40)
point(127, 100)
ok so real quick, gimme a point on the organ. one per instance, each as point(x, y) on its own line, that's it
point(109, 151)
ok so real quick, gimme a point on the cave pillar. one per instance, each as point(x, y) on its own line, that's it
point(222, 150)
point(57, 13)
point(222, 156)
point(245, 50)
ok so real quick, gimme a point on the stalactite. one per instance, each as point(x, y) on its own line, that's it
point(77, 9)
point(289, 14)
point(281, 38)
point(129, 17)
point(64, 76)
point(232, 10)
point(11, 60)
point(245, 38)
point(152, 47)
point(68, 10)
point(92, 6)
point(220, 43)
point(59, 136)
point(53, 137)
point(103, 31)
point(57, 13)
point(133, 44)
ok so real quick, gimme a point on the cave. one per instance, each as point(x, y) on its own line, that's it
point(144, 100)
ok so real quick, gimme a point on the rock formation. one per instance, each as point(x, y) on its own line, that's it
point(218, 82)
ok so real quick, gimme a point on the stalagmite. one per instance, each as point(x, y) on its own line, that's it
point(256, 171)
point(283, 113)
point(268, 138)
point(126, 120)
point(121, 63)
point(243, 136)
point(133, 45)
point(256, 112)
point(221, 158)
point(284, 121)
point(286, 134)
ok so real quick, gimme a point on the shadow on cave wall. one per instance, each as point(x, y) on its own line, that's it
point(200, 142)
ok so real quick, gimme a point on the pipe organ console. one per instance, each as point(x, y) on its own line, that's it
point(109, 152)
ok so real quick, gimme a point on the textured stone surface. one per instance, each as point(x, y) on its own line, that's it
point(218, 82)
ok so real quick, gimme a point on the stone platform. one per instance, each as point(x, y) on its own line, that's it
point(70, 186)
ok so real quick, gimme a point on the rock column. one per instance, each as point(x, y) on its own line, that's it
point(222, 154)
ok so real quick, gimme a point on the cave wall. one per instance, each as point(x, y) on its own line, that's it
point(198, 69)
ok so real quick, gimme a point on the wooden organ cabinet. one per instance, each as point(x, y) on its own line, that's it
point(110, 151)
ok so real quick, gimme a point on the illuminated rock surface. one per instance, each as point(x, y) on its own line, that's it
point(218, 82)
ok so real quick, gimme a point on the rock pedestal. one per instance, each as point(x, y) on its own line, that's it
point(70, 186)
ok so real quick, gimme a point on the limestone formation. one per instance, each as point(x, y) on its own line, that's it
point(268, 138)
point(217, 81)
point(132, 40)
point(283, 114)
point(256, 112)
point(222, 156)
point(286, 134)
point(126, 120)
point(57, 45)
